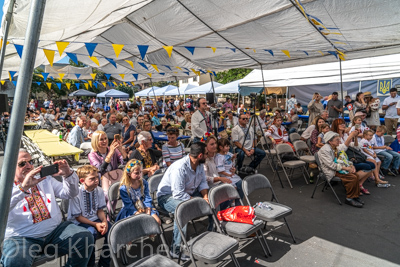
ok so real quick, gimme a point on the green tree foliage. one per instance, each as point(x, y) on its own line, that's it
point(231, 75)
point(127, 89)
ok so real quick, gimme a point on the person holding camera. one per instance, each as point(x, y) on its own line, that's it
point(202, 121)
point(315, 107)
point(35, 221)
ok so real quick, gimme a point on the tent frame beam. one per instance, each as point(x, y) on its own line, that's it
point(6, 25)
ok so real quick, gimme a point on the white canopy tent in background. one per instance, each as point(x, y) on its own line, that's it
point(113, 93)
point(147, 91)
point(202, 89)
point(229, 88)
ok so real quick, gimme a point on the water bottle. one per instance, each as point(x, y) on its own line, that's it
point(383, 185)
point(263, 206)
point(311, 177)
point(60, 136)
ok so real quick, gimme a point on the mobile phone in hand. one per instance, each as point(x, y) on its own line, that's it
point(49, 170)
point(117, 137)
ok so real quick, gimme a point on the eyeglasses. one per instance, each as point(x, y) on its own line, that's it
point(203, 103)
point(245, 119)
point(124, 119)
point(23, 163)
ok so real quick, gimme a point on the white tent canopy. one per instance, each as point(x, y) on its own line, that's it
point(147, 91)
point(202, 89)
point(229, 88)
point(352, 70)
point(209, 35)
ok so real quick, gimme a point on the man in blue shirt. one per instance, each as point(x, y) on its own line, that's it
point(76, 137)
point(183, 180)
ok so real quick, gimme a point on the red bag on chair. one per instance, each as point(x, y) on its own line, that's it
point(241, 214)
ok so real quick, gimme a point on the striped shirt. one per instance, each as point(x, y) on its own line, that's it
point(172, 153)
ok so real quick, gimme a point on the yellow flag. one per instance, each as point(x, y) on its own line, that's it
point(133, 84)
point(168, 49)
point(175, 72)
point(104, 84)
point(254, 50)
point(68, 85)
point(95, 60)
point(90, 83)
point(117, 48)
point(93, 75)
point(49, 55)
point(115, 83)
point(213, 49)
point(125, 83)
point(122, 76)
point(209, 71)
point(2, 82)
point(321, 52)
point(1, 43)
point(48, 85)
point(286, 52)
point(149, 74)
point(61, 46)
point(196, 72)
point(130, 63)
point(178, 68)
point(86, 86)
point(9, 76)
point(61, 76)
point(341, 57)
point(155, 67)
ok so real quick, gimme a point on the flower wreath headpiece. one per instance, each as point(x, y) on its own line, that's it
point(133, 163)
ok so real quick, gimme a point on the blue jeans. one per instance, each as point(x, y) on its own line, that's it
point(104, 259)
point(259, 155)
point(67, 238)
point(366, 166)
point(390, 156)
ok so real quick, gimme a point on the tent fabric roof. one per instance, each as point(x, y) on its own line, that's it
point(113, 93)
point(352, 70)
point(274, 33)
point(202, 89)
point(147, 91)
point(82, 92)
point(229, 88)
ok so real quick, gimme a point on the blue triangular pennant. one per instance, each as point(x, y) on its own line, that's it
point(162, 73)
point(108, 76)
point(77, 75)
point(167, 67)
point(305, 52)
point(51, 77)
point(186, 69)
point(333, 53)
point(12, 73)
point(233, 49)
point(202, 71)
point(143, 65)
point(19, 49)
point(90, 47)
point(77, 85)
point(187, 73)
point(269, 51)
point(45, 75)
point(214, 73)
point(73, 57)
point(38, 83)
point(15, 83)
point(190, 48)
point(109, 84)
point(143, 50)
point(95, 84)
point(59, 86)
point(112, 62)
point(136, 76)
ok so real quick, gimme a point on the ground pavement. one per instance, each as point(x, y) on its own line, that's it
point(327, 234)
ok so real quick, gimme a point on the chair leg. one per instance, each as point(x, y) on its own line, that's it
point(340, 203)
point(305, 178)
point(315, 187)
point(261, 243)
point(290, 231)
point(287, 177)
point(235, 261)
point(265, 242)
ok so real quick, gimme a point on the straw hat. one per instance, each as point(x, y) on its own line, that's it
point(367, 94)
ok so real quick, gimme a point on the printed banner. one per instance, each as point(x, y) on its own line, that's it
point(384, 87)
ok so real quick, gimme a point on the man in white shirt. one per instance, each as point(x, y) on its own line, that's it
point(202, 121)
point(35, 223)
point(391, 117)
point(132, 119)
point(247, 147)
point(103, 123)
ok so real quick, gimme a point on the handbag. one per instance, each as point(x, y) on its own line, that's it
point(355, 155)
point(110, 178)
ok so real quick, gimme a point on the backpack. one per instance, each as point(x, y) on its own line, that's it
point(355, 155)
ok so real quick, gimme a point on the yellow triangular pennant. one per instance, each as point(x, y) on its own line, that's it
point(149, 74)
point(61, 76)
point(115, 83)
point(122, 76)
point(1, 43)
point(2, 82)
point(125, 83)
point(68, 85)
point(196, 72)
point(130, 63)
point(178, 68)
point(95, 60)
point(86, 86)
point(48, 85)
point(117, 48)
point(175, 72)
point(133, 84)
point(49, 55)
point(9, 76)
point(93, 75)
point(90, 83)
point(213, 49)
point(104, 84)
point(341, 57)
point(168, 49)
point(209, 71)
point(61, 46)
point(155, 67)
point(321, 52)
point(286, 52)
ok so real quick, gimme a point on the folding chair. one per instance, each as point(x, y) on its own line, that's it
point(131, 229)
point(208, 247)
point(226, 192)
point(388, 139)
point(282, 149)
point(294, 137)
point(153, 182)
point(271, 153)
point(278, 211)
point(113, 198)
point(326, 183)
point(303, 152)
point(86, 147)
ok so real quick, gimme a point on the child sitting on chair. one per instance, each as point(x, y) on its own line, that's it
point(86, 210)
point(323, 129)
point(134, 192)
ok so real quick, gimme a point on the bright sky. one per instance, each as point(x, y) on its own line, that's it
point(1, 9)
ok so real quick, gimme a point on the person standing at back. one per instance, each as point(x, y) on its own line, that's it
point(391, 116)
point(202, 121)
point(334, 107)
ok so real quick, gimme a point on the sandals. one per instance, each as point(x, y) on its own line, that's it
point(381, 182)
point(364, 191)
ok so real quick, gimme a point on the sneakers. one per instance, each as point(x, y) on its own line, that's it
point(184, 257)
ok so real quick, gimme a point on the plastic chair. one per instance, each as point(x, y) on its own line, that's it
point(325, 181)
point(294, 137)
point(388, 139)
point(207, 247)
point(131, 229)
point(226, 192)
point(279, 211)
point(292, 164)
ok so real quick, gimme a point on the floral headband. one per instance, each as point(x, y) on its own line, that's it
point(205, 136)
point(133, 163)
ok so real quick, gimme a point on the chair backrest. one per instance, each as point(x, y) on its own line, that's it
point(64, 206)
point(131, 229)
point(221, 193)
point(283, 148)
point(254, 182)
point(189, 210)
point(86, 146)
point(301, 146)
point(388, 139)
point(318, 162)
point(294, 137)
point(154, 181)
point(113, 192)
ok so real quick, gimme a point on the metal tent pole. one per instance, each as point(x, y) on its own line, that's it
point(341, 79)
point(177, 85)
point(212, 84)
point(265, 92)
point(18, 112)
point(6, 25)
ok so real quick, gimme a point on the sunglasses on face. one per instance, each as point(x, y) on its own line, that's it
point(23, 163)
point(245, 119)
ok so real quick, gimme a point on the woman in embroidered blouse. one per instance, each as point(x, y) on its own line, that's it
point(103, 157)
point(145, 154)
point(134, 192)
point(277, 132)
point(314, 135)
